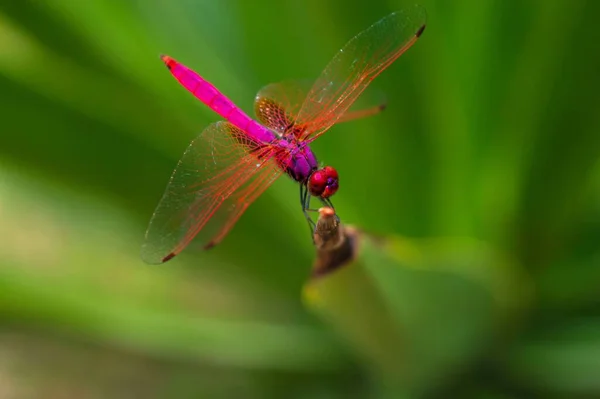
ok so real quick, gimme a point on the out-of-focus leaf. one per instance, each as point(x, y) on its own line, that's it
point(563, 359)
point(419, 311)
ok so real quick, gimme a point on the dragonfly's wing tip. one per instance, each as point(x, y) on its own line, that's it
point(151, 256)
point(420, 31)
point(152, 260)
point(168, 257)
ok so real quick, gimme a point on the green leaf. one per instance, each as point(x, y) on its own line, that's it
point(418, 311)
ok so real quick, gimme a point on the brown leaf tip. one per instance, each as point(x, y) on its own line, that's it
point(328, 232)
point(334, 242)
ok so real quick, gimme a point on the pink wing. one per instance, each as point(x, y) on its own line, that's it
point(220, 174)
point(354, 67)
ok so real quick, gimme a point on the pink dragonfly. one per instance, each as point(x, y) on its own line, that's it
point(233, 162)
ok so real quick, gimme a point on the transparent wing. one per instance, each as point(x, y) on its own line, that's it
point(277, 105)
point(354, 67)
point(220, 174)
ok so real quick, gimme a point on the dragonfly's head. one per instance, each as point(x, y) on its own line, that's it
point(323, 182)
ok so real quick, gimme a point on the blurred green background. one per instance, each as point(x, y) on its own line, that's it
point(491, 137)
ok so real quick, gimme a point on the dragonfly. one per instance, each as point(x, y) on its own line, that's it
point(232, 162)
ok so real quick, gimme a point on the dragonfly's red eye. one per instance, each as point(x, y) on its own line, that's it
point(323, 182)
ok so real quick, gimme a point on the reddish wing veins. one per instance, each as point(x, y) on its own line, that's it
point(220, 174)
point(277, 105)
point(354, 67)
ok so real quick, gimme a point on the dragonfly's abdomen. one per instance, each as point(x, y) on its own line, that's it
point(217, 101)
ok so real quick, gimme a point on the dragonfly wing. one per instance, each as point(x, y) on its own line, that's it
point(277, 105)
point(354, 67)
point(234, 206)
point(220, 174)
point(371, 102)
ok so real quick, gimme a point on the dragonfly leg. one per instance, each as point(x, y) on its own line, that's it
point(305, 202)
point(327, 202)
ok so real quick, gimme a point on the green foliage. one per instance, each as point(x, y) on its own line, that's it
point(420, 311)
point(486, 161)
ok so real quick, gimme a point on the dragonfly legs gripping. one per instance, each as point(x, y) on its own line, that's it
point(327, 202)
point(305, 202)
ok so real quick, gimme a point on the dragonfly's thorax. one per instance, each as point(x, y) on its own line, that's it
point(299, 161)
